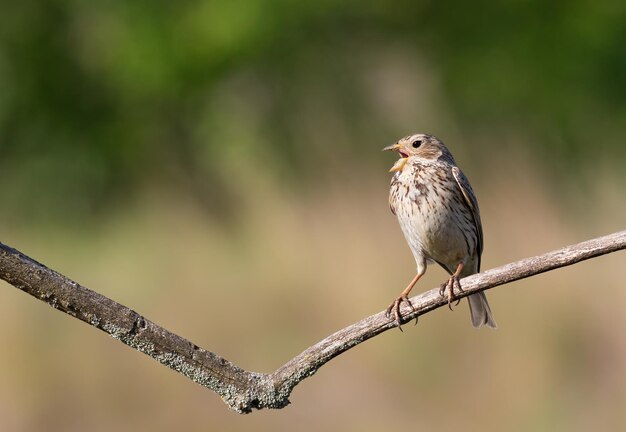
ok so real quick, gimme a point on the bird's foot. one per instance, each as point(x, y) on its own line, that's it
point(395, 308)
point(449, 287)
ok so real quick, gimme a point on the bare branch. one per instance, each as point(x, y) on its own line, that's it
point(242, 390)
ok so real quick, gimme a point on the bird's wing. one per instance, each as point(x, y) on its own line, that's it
point(472, 204)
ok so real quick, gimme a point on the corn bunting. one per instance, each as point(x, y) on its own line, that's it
point(439, 216)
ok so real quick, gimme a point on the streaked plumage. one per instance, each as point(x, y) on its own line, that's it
point(439, 216)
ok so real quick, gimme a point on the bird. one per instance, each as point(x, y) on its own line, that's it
point(439, 216)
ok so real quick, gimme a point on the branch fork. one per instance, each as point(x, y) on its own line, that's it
point(244, 391)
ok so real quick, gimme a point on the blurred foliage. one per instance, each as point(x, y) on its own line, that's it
point(101, 98)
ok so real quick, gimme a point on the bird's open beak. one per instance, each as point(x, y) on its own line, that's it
point(400, 162)
point(395, 146)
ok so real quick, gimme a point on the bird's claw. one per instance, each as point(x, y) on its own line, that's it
point(449, 287)
point(395, 307)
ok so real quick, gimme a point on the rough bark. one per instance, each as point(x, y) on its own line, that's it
point(243, 390)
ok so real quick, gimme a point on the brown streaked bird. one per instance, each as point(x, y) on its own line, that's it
point(439, 216)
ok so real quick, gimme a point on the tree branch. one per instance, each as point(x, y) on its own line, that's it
point(242, 390)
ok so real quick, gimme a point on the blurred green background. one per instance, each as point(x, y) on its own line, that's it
point(216, 166)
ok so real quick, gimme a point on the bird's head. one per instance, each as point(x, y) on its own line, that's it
point(419, 145)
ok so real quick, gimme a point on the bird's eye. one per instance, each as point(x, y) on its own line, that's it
point(416, 143)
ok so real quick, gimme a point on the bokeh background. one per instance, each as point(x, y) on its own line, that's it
point(216, 166)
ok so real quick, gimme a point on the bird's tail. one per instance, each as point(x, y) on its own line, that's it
point(480, 311)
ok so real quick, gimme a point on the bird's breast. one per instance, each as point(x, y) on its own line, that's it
point(431, 212)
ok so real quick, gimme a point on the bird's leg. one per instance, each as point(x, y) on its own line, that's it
point(403, 297)
point(449, 286)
